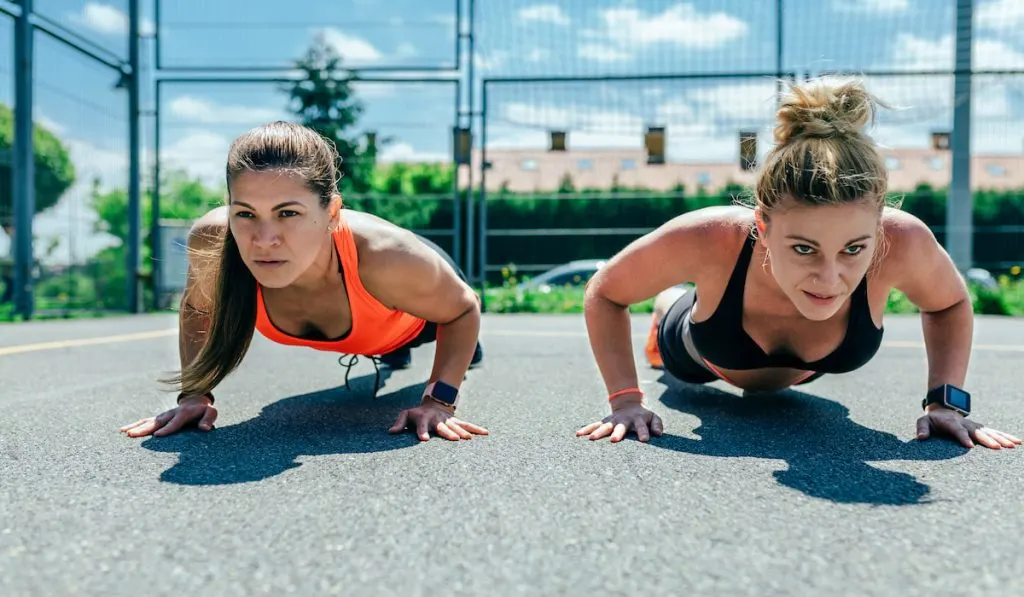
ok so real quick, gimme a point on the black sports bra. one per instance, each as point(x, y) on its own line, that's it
point(722, 340)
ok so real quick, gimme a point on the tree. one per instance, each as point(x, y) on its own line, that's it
point(54, 171)
point(184, 198)
point(325, 101)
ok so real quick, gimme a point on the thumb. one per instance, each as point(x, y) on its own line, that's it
point(206, 423)
point(923, 427)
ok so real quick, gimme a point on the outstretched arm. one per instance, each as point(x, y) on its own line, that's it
point(927, 276)
point(674, 253)
point(414, 278)
point(930, 280)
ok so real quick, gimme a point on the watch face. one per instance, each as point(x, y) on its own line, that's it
point(958, 398)
point(445, 392)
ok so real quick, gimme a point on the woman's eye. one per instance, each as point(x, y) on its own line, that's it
point(854, 249)
point(803, 249)
point(287, 213)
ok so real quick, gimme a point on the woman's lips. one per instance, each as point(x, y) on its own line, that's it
point(820, 299)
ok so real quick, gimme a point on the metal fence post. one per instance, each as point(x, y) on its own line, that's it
point(133, 272)
point(959, 208)
point(23, 179)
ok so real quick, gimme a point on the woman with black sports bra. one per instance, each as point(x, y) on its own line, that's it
point(792, 289)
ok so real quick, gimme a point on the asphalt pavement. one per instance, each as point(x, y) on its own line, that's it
point(300, 490)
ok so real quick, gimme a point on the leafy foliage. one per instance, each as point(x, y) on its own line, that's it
point(54, 171)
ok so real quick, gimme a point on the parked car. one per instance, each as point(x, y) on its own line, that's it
point(574, 273)
point(982, 277)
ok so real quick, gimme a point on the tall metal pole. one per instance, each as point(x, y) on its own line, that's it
point(778, 52)
point(959, 207)
point(156, 248)
point(472, 229)
point(23, 161)
point(134, 260)
point(457, 225)
point(483, 198)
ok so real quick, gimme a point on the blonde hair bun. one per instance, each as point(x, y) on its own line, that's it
point(824, 108)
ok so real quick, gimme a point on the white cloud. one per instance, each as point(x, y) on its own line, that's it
point(1000, 15)
point(603, 53)
point(48, 123)
point(406, 50)
point(109, 20)
point(678, 147)
point(489, 61)
point(200, 153)
point(574, 118)
point(512, 137)
point(537, 55)
point(911, 52)
point(627, 29)
point(72, 219)
point(353, 49)
point(404, 152)
point(544, 13)
point(928, 101)
point(200, 110)
point(735, 101)
point(994, 54)
point(872, 6)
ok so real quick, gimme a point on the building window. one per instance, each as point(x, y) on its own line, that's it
point(892, 163)
point(996, 170)
point(528, 164)
point(628, 164)
point(936, 163)
point(703, 179)
point(584, 164)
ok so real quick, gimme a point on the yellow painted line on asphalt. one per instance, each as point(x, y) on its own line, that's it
point(995, 347)
point(22, 348)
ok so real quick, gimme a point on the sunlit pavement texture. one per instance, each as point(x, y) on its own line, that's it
point(301, 490)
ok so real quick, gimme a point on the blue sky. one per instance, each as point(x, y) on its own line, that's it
point(77, 100)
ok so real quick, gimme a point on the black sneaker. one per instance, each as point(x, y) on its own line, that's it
point(399, 359)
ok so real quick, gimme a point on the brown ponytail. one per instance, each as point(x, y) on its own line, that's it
point(275, 146)
point(232, 323)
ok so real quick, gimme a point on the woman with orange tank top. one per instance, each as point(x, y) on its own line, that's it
point(284, 259)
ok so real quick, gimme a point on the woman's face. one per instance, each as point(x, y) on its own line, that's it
point(279, 226)
point(820, 253)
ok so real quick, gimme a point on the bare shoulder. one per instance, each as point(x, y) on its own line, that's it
point(376, 237)
point(915, 263)
point(205, 239)
point(404, 273)
point(906, 240)
point(690, 248)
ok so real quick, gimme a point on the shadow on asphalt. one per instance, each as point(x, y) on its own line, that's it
point(827, 453)
point(331, 421)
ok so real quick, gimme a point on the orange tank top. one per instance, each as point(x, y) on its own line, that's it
point(376, 329)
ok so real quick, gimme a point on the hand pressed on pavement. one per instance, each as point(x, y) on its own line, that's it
point(430, 416)
point(951, 423)
point(628, 414)
point(191, 409)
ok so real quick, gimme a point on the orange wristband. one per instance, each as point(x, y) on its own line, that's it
point(626, 391)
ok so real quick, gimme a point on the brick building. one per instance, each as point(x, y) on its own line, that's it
point(528, 170)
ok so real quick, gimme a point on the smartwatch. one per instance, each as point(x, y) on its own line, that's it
point(949, 396)
point(441, 392)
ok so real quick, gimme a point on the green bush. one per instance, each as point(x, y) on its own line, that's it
point(1007, 300)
